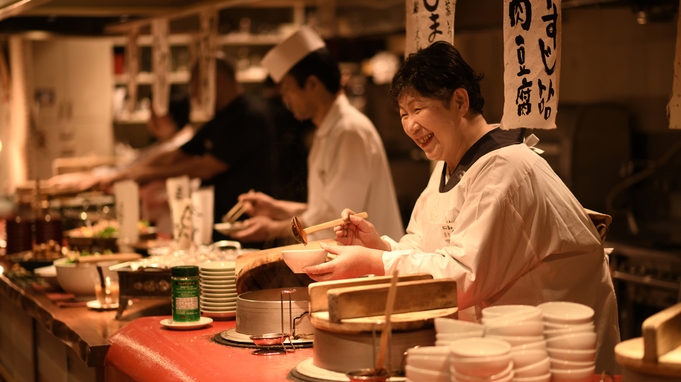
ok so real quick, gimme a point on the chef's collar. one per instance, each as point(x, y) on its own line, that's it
point(333, 115)
point(493, 140)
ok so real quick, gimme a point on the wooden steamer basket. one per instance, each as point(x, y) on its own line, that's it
point(347, 317)
point(655, 357)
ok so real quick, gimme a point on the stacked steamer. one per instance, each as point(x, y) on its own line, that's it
point(522, 327)
point(570, 340)
point(218, 289)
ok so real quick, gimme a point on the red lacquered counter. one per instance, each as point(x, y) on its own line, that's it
point(145, 351)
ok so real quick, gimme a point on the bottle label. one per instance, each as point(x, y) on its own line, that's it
point(185, 301)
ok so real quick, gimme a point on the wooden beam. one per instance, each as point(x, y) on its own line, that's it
point(15, 7)
point(97, 11)
point(160, 49)
point(178, 14)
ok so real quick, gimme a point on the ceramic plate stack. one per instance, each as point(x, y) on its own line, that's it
point(480, 360)
point(218, 289)
point(570, 340)
point(428, 363)
point(450, 329)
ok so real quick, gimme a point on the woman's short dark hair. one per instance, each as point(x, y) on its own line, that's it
point(320, 64)
point(436, 72)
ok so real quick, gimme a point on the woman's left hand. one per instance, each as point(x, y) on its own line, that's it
point(351, 261)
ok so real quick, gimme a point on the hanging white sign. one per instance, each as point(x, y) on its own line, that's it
point(428, 21)
point(674, 106)
point(532, 34)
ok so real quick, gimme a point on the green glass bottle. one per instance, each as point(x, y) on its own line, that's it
point(185, 297)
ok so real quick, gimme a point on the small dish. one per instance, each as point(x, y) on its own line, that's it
point(224, 314)
point(202, 322)
point(228, 228)
point(95, 305)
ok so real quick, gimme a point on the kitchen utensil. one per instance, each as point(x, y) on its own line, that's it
point(385, 333)
point(301, 233)
point(235, 212)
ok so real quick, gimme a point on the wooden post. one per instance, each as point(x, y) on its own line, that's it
point(161, 55)
point(132, 59)
point(205, 48)
point(16, 145)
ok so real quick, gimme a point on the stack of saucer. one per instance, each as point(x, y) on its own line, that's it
point(218, 289)
point(570, 340)
point(448, 330)
point(480, 360)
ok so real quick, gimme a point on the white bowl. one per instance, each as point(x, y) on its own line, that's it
point(574, 341)
point(560, 364)
point(457, 336)
point(418, 374)
point(572, 355)
point(502, 310)
point(429, 362)
point(542, 378)
point(554, 326)
point(79, 279)
point(534, 370)
point(510, 328)
point(519, 316)
point(524, 358)
point(506, 375)
point(561, 332)
point(532, 345)
point(518, 340)
point(479, 347)
point(574, 375)
point(429, 357)
point(300, 258)
point(437, 351)
point(481, 366)
point(562, 312)
point(443, 343)
point(451, 325)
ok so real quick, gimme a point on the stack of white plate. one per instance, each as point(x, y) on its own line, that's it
point(448, 330)
point(218, 289)
point(480, 360)
point(570, 340)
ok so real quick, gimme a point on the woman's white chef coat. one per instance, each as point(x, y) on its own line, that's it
point(348, 168)
point(511, 232)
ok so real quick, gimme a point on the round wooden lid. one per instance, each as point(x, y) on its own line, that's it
point(629, 354)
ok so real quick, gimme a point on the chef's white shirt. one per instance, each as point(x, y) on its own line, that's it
point(348, 168)
point(511, 232)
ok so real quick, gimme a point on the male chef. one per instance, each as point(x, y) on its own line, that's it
point(347, 163)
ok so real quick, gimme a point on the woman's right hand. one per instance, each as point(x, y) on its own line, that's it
point(357, 231)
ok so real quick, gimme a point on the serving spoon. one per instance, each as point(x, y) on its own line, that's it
point(301, 233)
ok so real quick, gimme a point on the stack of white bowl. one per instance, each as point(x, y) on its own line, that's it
point(218, 289)
point(523, 328)
point(480, 360)
point(570, 340)
point(448, 330)
point(428, 363)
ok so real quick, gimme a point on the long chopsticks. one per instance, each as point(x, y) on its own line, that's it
point(236, 211)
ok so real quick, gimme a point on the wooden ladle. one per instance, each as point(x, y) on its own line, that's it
point(301, 233)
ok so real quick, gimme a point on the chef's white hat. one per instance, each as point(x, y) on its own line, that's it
point(280, 59)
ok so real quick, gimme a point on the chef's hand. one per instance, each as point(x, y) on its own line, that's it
point(357, 231)
point(351, 261)
point(262, 228)
point(259, 204)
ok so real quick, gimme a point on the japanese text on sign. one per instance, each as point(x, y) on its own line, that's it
point(429, 21)
point(531, 63)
